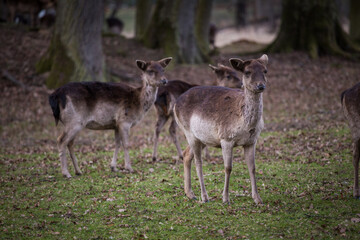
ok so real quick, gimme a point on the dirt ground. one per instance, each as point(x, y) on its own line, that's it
point(302, 93)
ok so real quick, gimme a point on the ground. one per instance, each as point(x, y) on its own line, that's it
point(303, 158)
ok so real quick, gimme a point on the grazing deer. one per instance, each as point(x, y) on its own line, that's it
point(226, 118)
point(101, 106)
point(350, 100)
point(166, 98)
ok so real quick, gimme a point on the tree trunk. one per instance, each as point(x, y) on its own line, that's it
point(355, 20)
point(172, 29)
point(311, 26)
point(202, 27)
point(143, 16)
point(75, 52)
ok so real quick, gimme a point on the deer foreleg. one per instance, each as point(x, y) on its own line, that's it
point(197, 148)
point(250, 160)
point(73, 157)
point(172, 131)
point(159, 125)
point(116, 151)
point(356, 168)
point(226, 148)
point(124, 135)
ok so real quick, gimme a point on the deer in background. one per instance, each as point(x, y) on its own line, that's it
point(168, 94)
point(224, 118)
point(102, 106)
point(350, 101)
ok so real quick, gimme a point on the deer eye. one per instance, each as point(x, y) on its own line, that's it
point(247, 73)
point(228, 77)
point(265, 71)
point(151, 72)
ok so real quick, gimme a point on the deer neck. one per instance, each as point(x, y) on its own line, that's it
point(147, 95)
point(253, 108)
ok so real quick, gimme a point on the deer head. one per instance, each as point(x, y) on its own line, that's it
point(226, 77)
point(153, 71)
point(254, 72)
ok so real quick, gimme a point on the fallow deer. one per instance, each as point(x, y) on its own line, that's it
point(166, 98)
point(350, 100)
point(101, 106)
point(224, 118)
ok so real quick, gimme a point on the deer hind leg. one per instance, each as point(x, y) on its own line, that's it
point(116, 151)
point(63, 141)
point(227, 149)
point(73, 157)
point(197, 148)
point(159, 125)
point(124, 135)
point(250, 160)
point(207, 153)
point(188, 157)
point(356, 168)
point(172, 131)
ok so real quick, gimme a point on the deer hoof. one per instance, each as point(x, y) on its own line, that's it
point(258, 200)
point(154, 159)
point(67, 175)
point(78, 173)
point(129, 169)
point(191, 196)
point(114, 169)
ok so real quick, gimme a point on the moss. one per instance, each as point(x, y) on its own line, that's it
point(65, 67)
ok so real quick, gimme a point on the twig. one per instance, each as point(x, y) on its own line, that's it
point(10, 77)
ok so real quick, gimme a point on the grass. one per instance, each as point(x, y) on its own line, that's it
point(302, 199)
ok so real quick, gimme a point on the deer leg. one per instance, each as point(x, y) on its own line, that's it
point(250, 160)
point(188, 157)
point(207, 153)
point(124, 135)
point(63, 141)
point(159, 125)
point(227, 149)
point(197, 148)
point(172, 130)
point(356, 168)
point(73, 157)
point(116, 151)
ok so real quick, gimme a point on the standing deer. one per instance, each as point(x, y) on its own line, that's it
point(224, 118)
point(101, 106)
point(350, 100)
point(166, 98)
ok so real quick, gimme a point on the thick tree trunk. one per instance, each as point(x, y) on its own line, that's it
point(311, 26)
point(202, 26)
point(172, 29)
point(143, 16)
point(355, 20)
point(75, 52)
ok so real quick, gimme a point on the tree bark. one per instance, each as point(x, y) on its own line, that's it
point(75, 52)
point(172, 29)
point(143, 16)
point(202, 26)
point(312, 26)
point(355, 20)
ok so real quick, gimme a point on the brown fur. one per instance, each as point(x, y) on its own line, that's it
point(350, 100)
point(168, 94)
point(226, 118)
point(100, 106)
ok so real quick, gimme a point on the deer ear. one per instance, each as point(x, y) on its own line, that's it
point(165, 61)
point(213, 67)
point(220, 65)
point(237, 64)
point(141, 64)
point(264, 59)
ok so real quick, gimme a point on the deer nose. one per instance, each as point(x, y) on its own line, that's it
point(261, 87)
point(164, 81)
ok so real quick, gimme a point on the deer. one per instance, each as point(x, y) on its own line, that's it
point(350, 99)
point(168, 94)
point(224, 118)
point(103, 106)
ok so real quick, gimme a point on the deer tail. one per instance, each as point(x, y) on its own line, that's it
point(342, 96)
point(54, 100)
